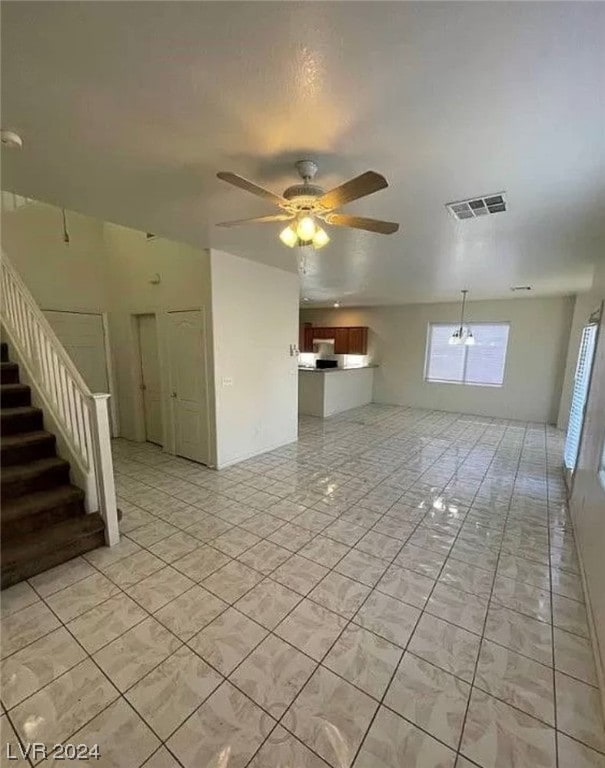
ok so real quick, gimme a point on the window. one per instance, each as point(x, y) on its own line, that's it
point(481, 363)
point(579, 395)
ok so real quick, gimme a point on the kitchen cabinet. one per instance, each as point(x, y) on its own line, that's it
point(357, 341)
point(305, 338)
point(341, 341)
point(347, 340)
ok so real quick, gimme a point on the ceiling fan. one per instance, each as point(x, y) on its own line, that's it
point(304, 204)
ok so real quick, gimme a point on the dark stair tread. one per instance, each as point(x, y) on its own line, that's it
point(22, 438)
point(14, 387)
point(21, 506)
point(62, 541)
point(31, 469)
point(19, 410)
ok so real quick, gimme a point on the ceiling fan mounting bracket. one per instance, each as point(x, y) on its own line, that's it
point(306, 169)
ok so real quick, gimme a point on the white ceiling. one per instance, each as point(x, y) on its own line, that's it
point(128, 109)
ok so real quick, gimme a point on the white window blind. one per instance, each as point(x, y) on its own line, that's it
point(580, 393)
point(481, 363)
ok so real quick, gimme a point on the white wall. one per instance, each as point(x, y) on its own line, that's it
point(59, 275)
point(255, 320)
point(184, 274)
point(588, 495)
point(539, 332)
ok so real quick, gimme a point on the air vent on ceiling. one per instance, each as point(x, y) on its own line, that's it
point(478, 206)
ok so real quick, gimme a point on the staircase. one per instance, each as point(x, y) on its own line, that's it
point(43, 521)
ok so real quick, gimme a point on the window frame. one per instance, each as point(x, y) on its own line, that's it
point(429, 344)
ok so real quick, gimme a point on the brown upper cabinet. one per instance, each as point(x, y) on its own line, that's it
point(347, 341)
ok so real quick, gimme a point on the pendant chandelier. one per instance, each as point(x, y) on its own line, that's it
point(462, 334)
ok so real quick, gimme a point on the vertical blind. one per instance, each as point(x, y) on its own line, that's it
point(481, 363)
point(580, 393)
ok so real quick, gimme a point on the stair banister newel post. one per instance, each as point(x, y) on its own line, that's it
point(104, 465)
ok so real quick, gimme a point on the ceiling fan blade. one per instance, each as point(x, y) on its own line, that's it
point(250, 186)
point(257, 220)
point(359, 222)
point(366, 184)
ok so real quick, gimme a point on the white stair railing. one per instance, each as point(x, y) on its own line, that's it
point(81, 417)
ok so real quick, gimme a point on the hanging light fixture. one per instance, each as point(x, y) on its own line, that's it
point(304, 231)
point(462, 334)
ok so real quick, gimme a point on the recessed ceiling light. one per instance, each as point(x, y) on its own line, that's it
point(305, 298)
point(336, 304)
point(10, 139)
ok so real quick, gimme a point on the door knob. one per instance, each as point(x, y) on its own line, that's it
point(173, 394)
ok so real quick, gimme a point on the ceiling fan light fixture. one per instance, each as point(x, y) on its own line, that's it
point(320, 238)
point(306, 228)
point(462, 334)
point(289, 237)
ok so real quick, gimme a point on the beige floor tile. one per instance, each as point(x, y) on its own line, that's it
point(331, 717)
point(465, 577)
point(81, 596)
point(273, 675)
point(567, 584)
point(232, 581)
point(282, 750)
point(406, 585)
point(520, 633)
point(292, 537)
point(106, 622)
point(574, 656)
point(65, 705)
point(299, 574)
point(173, 690)
point(521, 597)
point(579, 711)
point(162, 759)
point(265, 556)
point(227, 640)
point(200, 563)
point(388, 617)
point(576, 755)
point(499, 736)
point(17, 597)
point(104, 556)
point(190, 612)
point(517, 680)
point(23, 627)
point(456, 607)
point(38, 664)
point(61, 576)
point(159, 588)
point(451, 648)
point(228, 726)
point(393, 743)
point(174, 547)
point(429, 697)
point(268, 603)
point(570, 615)
point(235, 541)
point(324, 550)
point(364, 659)
point(362, 567)
point(423, 561)
point(379, 545)
point(131, 656)
point(123, 738)
point(340, 594)
point(10, 745)
point(311, 628)
point(132, 569)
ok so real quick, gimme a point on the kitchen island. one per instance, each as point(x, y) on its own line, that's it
point(324, 392)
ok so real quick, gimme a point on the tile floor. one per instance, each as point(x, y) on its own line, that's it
point(399, 589)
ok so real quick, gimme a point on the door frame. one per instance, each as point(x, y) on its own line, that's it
point(140, 419)
point(206, 399)
point(114, 418)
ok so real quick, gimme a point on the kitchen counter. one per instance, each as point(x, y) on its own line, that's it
point(334, 370)
point(320, 395)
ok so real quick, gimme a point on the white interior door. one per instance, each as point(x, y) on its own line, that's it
point(189, 384)
point(150, 378)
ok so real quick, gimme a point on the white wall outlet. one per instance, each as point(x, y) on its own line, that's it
point(227, 381)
